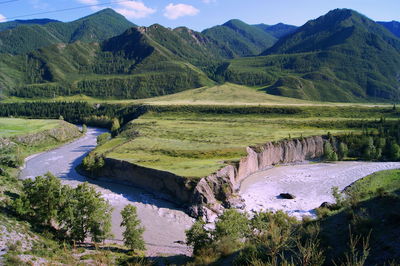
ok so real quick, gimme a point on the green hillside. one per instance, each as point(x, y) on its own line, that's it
point(278, 30)
point(342, 56)
point(97, 27)
point(130, 66)
point(392, 26)
point(15, 23)
point(240, 38)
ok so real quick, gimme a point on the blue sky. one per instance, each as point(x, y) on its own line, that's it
point(201, 14)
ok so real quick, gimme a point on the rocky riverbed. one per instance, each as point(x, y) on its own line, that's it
point(311, 185)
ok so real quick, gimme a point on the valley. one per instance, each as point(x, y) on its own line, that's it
point(240, 144)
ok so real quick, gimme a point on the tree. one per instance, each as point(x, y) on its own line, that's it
point(93, 161)
point(198, 237)
point(41, 198)
point(394, 151)
point(133, 233)
point(84, 128)
point(103, 138)
point(232, 224)
point(115, 125)
point(85, 213)
point(329, 153)
point(342, 151)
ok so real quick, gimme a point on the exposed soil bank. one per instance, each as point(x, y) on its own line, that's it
point(164, 222)
point(311, 184)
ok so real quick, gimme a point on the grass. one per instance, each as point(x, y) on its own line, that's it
point(380, 182)
point(226, 94)
point(196, 144)
point(16, 126)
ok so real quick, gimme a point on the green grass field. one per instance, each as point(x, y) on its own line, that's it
point(226, 94)
point(16, 126)
point(368, 187)
point(196, 144)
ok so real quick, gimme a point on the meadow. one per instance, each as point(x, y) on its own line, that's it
point(17, 126)
point(197, 141)
point(227, 94)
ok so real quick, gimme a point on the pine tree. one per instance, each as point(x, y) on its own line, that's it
point(342, 151)
point(133, 233)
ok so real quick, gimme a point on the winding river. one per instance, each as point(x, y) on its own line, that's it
point(165, 223)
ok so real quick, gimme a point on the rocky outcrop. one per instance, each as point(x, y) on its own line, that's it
point(218, 191)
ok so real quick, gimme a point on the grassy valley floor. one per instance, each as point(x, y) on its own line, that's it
point(197, 141)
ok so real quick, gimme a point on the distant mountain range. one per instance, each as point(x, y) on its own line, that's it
point(393, 26)
point(20, 37)
point(341, 56)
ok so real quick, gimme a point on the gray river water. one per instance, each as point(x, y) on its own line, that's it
point(165, 224)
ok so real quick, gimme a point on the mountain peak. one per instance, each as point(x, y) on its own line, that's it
point(234, 23)
point(104, 13)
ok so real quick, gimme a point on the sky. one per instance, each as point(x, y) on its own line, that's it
point(198, 14)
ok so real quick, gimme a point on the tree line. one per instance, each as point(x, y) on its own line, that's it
point(381, 143)
point(75, 213)
point(102, 115)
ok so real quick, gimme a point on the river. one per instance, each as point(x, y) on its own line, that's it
point(310, 183)
point(164, 222)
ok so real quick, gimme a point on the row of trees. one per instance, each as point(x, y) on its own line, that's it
point(380, 143)
point(77, 213)
point(102, 115)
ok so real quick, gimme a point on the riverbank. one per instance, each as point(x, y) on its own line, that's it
point(311, 184)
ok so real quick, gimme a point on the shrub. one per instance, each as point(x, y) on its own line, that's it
point(198, 237)
point(232, 224)
point(103, 138)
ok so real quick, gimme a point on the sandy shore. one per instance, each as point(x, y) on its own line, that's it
point(310, 183)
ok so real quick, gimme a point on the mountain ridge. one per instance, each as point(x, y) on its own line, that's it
point(340, 56)
point(95, 27)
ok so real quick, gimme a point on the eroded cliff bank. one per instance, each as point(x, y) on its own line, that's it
point(209, 196)
point(218, 191)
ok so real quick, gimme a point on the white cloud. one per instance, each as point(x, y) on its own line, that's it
point(92, 3)
point(173, 11)
point(37, 4)
point(2, 18)
point(88, 2)
point(134, 9)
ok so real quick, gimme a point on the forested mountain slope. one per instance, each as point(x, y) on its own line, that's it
point(393, 26)
point(278, 30)
point(130, 65)
point(240, 38)
point(21, 38)
point(341, 56)
point(15, 23)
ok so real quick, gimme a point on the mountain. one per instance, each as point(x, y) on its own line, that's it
point(135, 64)
point(392, 26)
point(26, 37)
point(278, 30)
point(341, 56)
point(239, 38)
point(18, 22)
